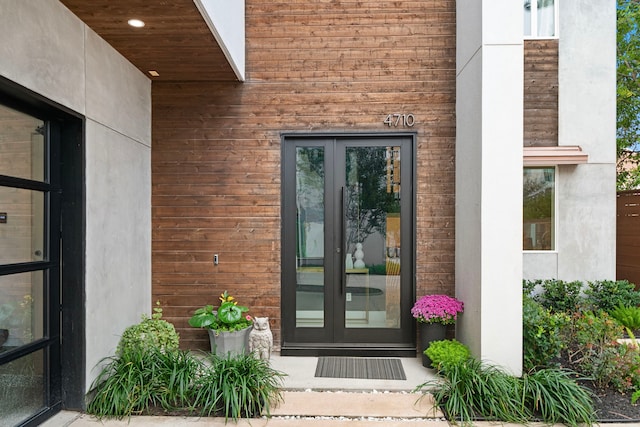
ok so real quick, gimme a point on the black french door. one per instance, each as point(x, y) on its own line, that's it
point(347, 258)
point(40, 156)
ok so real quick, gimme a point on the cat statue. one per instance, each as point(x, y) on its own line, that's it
point(261, 338)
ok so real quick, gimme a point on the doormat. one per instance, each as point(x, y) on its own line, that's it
point(360, 367)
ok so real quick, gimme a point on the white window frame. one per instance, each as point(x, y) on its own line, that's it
point(555, 212)
point(534, 21)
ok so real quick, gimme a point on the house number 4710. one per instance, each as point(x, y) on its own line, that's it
point(399, 120)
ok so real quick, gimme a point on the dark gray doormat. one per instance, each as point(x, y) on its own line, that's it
point(360, 367)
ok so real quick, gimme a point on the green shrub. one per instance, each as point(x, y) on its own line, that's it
point(151, 333)
point(542, 341)
point(592, 345)
point(608, 294)
point(445, 353)
point(622, 368)
point(558, 295)
point(629, 317)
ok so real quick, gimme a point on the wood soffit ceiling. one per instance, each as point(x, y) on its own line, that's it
point(175, 41)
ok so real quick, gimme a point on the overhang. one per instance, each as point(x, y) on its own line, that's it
point(551, 156)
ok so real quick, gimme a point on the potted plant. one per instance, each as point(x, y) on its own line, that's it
point(434, 313)
point(228, 326)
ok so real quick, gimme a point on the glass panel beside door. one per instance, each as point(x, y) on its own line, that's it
point(310, 264)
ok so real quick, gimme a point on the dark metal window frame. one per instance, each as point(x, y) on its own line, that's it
point(64, 264)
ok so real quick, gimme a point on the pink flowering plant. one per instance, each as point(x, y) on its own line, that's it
point(437, 309)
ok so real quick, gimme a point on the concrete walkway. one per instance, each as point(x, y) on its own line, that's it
point(353, 409)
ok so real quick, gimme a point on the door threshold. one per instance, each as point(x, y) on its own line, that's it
point(356, 350)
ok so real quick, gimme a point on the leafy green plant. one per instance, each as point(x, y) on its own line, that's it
point(241, 386)
point(629, 317)
point(556, 397)
point(541, 334)
point(559, 296)
point(150, 333)
point(446, 353)
point(228, 317)
point(608, 294)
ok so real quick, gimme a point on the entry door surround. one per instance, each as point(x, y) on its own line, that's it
point(348, 244)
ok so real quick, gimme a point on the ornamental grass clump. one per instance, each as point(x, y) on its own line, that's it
point(474, 390)
point(437, 309)
point(176, 381)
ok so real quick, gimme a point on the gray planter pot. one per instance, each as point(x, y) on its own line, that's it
point(229, 344)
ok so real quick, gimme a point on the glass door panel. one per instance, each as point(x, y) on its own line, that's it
point(23, 233)
point(372, 232)
point(30, 197)
point(22, 388)
point(21, 309)
point(310, 266)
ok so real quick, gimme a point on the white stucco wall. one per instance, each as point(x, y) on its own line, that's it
point(489, 179)
point(46, 49)
point(586, 226)
point(226, 20)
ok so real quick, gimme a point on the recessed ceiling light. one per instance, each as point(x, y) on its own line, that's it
point(135, 23)
point(154, 73)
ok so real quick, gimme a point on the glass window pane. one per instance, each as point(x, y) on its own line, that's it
point(22, 236)
point(21, 388)
point(21, 309)
point(546, 18)
point(310, 237)
point(527, 17)
point(538, 209)
point(21, 145)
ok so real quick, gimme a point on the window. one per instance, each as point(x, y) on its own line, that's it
point(540, 18)
point(538, 209)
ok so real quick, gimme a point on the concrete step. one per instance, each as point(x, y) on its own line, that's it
point(309, 408)
point(356, 405)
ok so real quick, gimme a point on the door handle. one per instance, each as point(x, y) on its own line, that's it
point(343, 240)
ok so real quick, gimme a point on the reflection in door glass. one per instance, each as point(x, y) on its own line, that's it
point(23, 233)
point(372, 237)
point(23, 140)
point(310, 237)
point(21, 309)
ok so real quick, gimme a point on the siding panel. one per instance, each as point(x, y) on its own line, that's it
point(628, 236)
point(333, 66)
point(540, 93)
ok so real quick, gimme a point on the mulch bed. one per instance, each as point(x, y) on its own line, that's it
point(613, 406)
